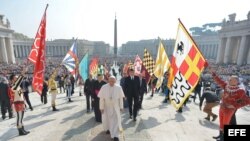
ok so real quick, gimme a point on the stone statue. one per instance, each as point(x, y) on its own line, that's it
point(248, 15)
point(223, 22)
point(1, 19)
point(232, 18)
point(7, 23)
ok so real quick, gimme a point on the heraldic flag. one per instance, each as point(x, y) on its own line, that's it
point(186, 66)
point(93, 67)
point(161, 64)
point(148, 62)
point(37, 55)
point(137, 65)
point(84, 67)
point(70, 60)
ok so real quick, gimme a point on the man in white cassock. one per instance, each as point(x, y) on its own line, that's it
point(111, 104)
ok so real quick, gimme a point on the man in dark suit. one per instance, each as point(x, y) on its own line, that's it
point(143, 89)
point(25, 88)
point(5, 99)
point(89, 90)
point(132, 87)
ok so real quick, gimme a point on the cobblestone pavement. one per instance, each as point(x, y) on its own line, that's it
point(157, 121)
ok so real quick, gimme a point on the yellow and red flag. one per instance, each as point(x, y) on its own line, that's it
point(187, 65)
point(93, 67)
point(37, 55)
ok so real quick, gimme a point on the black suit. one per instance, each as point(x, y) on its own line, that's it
point(97, 87)
point(5, 100)
point(89, 90)
point(25, 87)
point(132, 88)
point(143, 89)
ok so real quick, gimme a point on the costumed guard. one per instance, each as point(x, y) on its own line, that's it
point(232, 99)
point(18, 101)
point(53, 90)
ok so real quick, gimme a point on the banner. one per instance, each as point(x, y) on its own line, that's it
point(148, 62)
point(186, 66)
point(84, 67)
point(70, 61)
point(93, 67)
point(137, 65)
point(161, 64)
point(37, 55)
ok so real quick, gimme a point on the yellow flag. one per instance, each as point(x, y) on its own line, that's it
point(161, 65)
point(187, 65)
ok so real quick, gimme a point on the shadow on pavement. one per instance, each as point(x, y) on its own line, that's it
point(87, 125)
point(13, 132)
point(49, 112)
point(34, 125)
point(179, 117)
point(101, 137)
point(74, 116)
point(151, 122)
point(209, 124)
point(10, 134)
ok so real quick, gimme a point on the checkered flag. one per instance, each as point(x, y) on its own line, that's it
point(148, 62)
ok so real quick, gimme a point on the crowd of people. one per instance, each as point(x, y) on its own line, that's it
point(105, 97)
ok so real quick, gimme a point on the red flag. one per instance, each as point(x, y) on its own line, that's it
point(37, 55)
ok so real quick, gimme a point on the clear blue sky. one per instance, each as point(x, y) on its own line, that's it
point(137, 19)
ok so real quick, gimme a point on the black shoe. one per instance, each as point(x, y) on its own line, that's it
point(54, 108)
point(116, 139)
point(25, 130)
point(31, 108)
point(207, 118)
point(21, 132)
point(3, 117)
point(179, 110)
point(130, 117)
point(107, 132)
point(151, 95)
point(214, 117)
point(134, 118)
point(165, 101)
point(218, 137)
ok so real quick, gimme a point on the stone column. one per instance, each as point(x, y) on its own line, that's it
point(227, 50)
point(3, 51)
point(18, 51)
point(23, 51)
point(241, 55)
point(220, 51)
point(248, 57)
point(10, 50)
